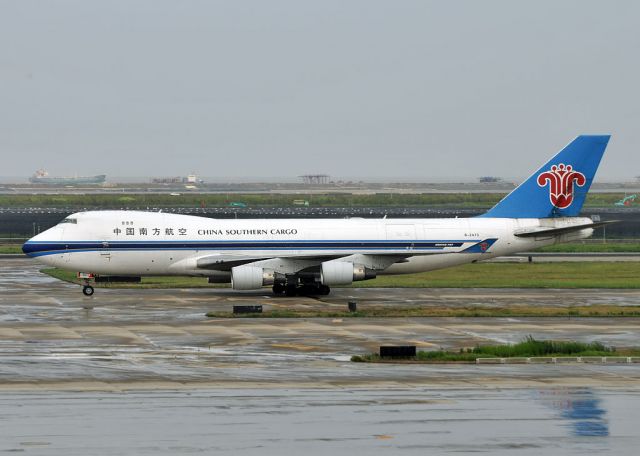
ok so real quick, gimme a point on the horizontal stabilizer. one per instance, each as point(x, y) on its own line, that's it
point(563, 230)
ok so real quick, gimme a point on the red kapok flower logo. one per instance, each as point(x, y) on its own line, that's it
point(561, 180)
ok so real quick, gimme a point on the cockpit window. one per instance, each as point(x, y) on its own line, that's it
point(70, 220)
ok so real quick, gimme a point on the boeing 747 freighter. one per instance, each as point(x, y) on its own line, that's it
point(308, 256)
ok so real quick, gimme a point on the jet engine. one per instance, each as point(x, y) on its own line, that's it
point(343, 273)
point(219, 276)
point(251, 277)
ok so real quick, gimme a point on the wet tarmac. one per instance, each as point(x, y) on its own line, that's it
point(421, 420)
point(144, 371)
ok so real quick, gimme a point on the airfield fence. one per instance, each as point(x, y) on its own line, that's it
point(561, 360)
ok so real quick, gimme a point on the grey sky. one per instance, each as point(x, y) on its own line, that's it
point(413, 89)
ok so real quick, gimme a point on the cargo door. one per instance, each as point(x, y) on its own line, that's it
point(66, 256)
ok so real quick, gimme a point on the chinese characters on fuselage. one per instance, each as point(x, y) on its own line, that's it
point(143, 231)
point(172, 231)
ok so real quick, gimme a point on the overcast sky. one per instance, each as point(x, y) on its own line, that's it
point(418, 90)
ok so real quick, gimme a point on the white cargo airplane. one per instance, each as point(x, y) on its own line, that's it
point(307, 256)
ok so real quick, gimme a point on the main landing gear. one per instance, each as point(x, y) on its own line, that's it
point(304, 289)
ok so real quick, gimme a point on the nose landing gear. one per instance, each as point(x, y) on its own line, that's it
point(86, 279)
point(87, 290)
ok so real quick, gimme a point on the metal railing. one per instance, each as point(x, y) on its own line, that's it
point(561, 360)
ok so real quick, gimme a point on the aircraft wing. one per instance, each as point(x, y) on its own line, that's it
point(224, 261)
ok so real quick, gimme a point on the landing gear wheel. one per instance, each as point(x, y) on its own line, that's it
point(87, 290)
point(278, 289)
point(308, 290)
point(291, 290)
point(324, 290)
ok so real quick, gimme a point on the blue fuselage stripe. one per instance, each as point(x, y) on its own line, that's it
point(49, 248)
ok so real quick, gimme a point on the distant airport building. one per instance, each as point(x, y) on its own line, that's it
point(315, 179)
point(489, 179)
point(190, 179)
point(166, 180)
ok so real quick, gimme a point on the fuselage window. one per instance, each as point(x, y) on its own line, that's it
point(70, 220)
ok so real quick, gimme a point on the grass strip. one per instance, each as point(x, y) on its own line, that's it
point(528, 348)
point(480, 275)
point(592, 247)
point(10, 248)
point(520, 275)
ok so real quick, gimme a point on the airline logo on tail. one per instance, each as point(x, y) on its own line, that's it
point(561, 180)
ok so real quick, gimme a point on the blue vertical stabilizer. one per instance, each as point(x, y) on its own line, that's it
point(559, 187)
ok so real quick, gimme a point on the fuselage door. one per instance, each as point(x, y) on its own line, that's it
point(105, 253)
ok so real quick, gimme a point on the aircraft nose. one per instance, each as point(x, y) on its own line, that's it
point(41, 242)
point(28, 248)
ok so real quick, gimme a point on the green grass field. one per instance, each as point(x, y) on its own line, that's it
point(491, 275)
point(520, 275)
point(479, 275)
point(10, 248)
point(593, 247)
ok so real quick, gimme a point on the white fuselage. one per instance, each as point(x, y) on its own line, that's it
point(140, 243)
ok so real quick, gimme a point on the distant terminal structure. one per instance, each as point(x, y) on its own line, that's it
point(315, 179)
point(190, 179)
point(489, 179)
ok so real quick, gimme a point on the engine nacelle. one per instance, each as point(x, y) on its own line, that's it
point(344, 273)
point(219, 277)
point(250, 277)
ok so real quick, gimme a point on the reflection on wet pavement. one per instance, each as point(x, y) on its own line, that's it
point(581, 407)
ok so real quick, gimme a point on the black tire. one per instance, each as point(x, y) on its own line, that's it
point(324, 290)
point(87, 290)
point(291, 290)
point(278, 288)
point(308, 290)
